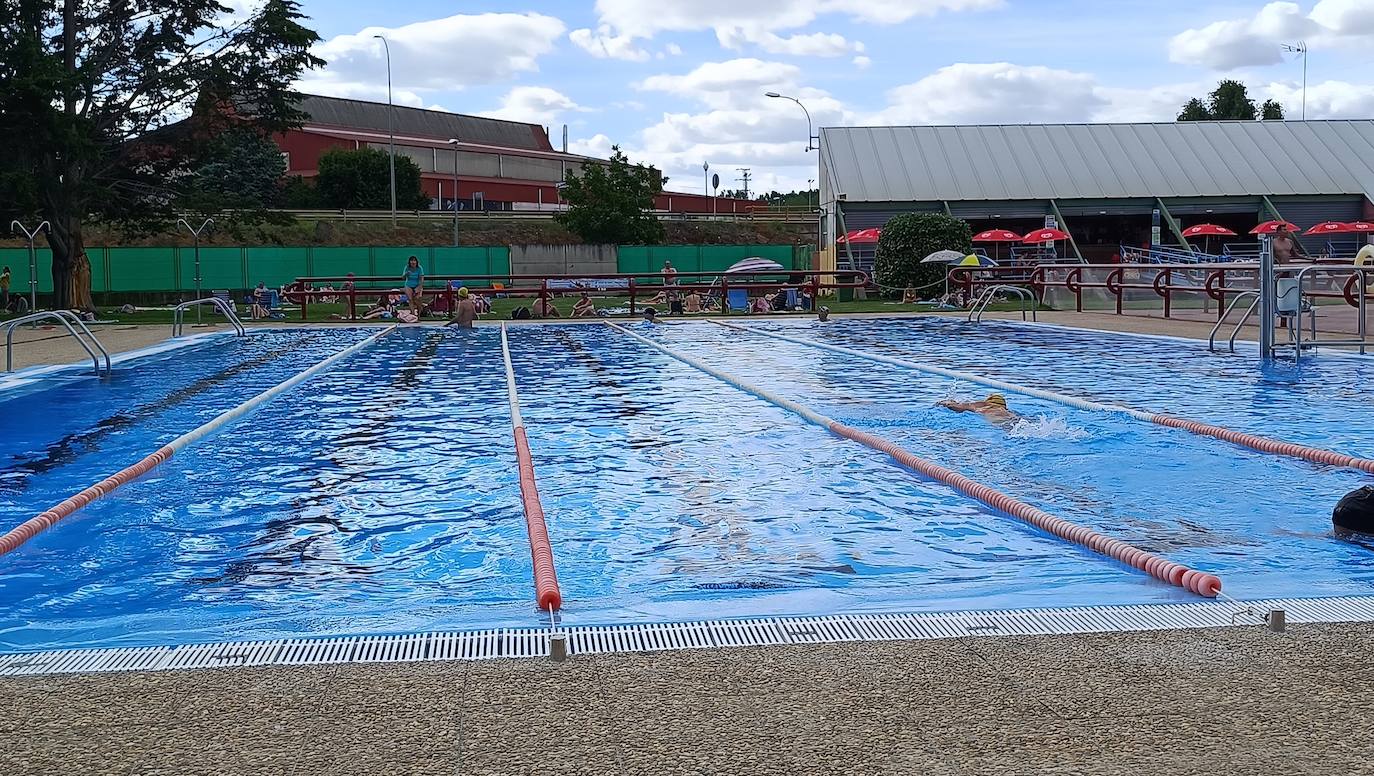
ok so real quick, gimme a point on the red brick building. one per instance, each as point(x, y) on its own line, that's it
point(502, 165)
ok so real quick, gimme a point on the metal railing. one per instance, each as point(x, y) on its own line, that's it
point(66, 318)
point(1231, 343)
point(975, 313)
point(179, 312)
point(1355, 285)
point(743, 214)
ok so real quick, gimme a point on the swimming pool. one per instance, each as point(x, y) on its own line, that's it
point(382, 496)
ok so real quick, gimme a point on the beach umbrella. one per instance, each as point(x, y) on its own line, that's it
point(1363, 227)
point(860, 236)
point(1207, 231)
point(943, 257)
point(1269, 227)
point(997, 236)
point(1045, 235)
point(974, 260)
point(1328, 227)
point(754, 264)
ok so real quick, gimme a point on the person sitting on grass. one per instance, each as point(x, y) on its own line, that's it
point(760, 305)
point(993, 409)
point(261, 299)
point(383, 309)
point(909, 296)
point(584, 308)
point(692, 303)
point(544, 308)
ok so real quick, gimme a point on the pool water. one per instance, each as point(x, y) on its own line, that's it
point(381, 496)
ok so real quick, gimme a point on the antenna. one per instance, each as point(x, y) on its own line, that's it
point(1300, 48)
point(744, 178)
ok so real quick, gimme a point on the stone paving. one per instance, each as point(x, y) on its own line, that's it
point(1220, 701)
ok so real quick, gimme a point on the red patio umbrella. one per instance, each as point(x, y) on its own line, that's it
point(1328, 227)
point(1269, 227)
point(996, 236)
point(1361, 226)
point(860, 236)
point(1207, 231)
point(1045, 235)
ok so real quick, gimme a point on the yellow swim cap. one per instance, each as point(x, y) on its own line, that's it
point(998, 399)
point(463, 292)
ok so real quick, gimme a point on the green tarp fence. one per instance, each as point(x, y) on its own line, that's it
point(173, 269)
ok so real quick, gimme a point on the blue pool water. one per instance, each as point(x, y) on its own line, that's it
point(382, 496)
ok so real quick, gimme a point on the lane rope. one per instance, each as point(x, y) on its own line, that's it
point(44, 520)
point(546, 590)
point(1252, 441)
point(1201, 583)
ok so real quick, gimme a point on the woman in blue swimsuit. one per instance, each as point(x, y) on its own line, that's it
point(414, 279)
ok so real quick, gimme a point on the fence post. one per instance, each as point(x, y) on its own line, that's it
point(632, 296)
point(352, 302)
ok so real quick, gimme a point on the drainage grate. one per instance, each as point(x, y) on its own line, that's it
point(593, 640)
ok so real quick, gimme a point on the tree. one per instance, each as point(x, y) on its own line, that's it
point(361, 180)
point(89, 91)
point(240, 169)
point(1230, 101)
point(613, 203)
point(908, 238)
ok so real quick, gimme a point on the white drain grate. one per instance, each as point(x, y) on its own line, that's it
point(593, 640)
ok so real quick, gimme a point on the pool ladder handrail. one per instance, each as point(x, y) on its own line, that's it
point(1361, 272)
point(179, 313)
point(1249, 312)
point(980, 305)
point(66, 318)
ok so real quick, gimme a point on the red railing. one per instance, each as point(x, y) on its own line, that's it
point(303, 290)
point(1121, 278)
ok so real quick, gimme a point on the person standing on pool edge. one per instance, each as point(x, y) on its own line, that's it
point(414, 279)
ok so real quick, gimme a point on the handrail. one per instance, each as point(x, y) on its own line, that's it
point(64, 317)
point(1356, 271)
point(981, 304)
point(1212, 338)
point(178, 314)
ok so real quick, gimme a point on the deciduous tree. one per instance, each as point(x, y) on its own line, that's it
point(613, 203)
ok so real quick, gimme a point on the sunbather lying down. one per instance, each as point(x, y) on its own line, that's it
point(993, 409)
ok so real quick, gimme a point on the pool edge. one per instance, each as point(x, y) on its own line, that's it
point(524, 643)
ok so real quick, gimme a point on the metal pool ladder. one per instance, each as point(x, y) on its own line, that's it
point(1249, 312)
point(179, 312)
point(980, 305)
point(66, 318)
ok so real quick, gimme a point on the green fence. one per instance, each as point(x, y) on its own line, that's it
point(123, 270)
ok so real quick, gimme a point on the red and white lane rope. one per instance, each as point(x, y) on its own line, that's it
point(1252, 441)
point(546, 589)
point(1198, 582)
point(49, 517)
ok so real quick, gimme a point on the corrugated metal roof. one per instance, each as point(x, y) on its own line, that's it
point(1094, 161)
point(417, 122)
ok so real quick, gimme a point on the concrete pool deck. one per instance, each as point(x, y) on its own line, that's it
point(1216, 701)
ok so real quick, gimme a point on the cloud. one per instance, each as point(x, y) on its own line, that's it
point(736, 23)
point(861, 62)
point(1345, 17)
point(446, 53)
point(725, 83)
point(534, 105)
point(993, 93)
point(1325, 100)
point(1255, 41)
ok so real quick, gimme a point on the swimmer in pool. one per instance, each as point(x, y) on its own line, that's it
point(993, 409)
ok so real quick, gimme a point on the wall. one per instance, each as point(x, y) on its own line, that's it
point(127, 270)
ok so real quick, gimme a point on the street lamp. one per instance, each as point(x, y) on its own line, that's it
point(1300, 48)
point(390, 126)
point(453, 141)
point(813, 141)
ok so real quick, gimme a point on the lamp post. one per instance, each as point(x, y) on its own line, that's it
point(453, 141)
point(813, 141)
point(196, 234)
point(390, 126)
point(33, 260)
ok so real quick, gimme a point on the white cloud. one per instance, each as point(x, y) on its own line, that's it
point(446, 53)
point(993, 93)
point(756, 22)
point(674, 50)
point(603, 44)
point(861, 62)
point(1345, 17)
point(1325, 100)
point(1256, 41)
point(535, 105)
point(725, 83)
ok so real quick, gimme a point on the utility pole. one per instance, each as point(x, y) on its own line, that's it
point(744, 178)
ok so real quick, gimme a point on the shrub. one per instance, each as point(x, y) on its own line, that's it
point(908, 238)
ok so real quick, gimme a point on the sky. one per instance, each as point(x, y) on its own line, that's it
point(679, 83)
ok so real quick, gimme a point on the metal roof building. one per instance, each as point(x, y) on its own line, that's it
point(1094, 179)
